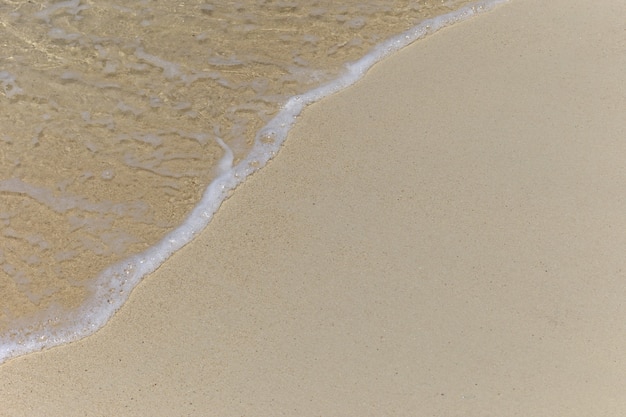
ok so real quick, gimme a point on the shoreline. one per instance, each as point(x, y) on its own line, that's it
point(458, 257)
point(123, 276)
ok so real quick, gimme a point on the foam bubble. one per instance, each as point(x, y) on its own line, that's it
point(107, 174)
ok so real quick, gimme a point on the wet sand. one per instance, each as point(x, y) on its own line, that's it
point(444, 238)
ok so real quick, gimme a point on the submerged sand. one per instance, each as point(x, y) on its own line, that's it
point(444, 238)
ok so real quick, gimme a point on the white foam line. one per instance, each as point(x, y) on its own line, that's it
point(114, 284)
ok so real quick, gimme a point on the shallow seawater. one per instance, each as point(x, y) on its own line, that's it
point(116, 116)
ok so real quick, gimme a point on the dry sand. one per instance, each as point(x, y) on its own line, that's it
point(446, 238)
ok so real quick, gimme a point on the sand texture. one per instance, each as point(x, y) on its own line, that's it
point(445, 238)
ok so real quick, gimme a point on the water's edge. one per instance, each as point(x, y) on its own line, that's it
point(113, 286)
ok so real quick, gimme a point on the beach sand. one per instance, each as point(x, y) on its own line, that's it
point(445, 238)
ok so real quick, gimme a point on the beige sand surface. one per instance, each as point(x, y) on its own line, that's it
point(447, 238)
